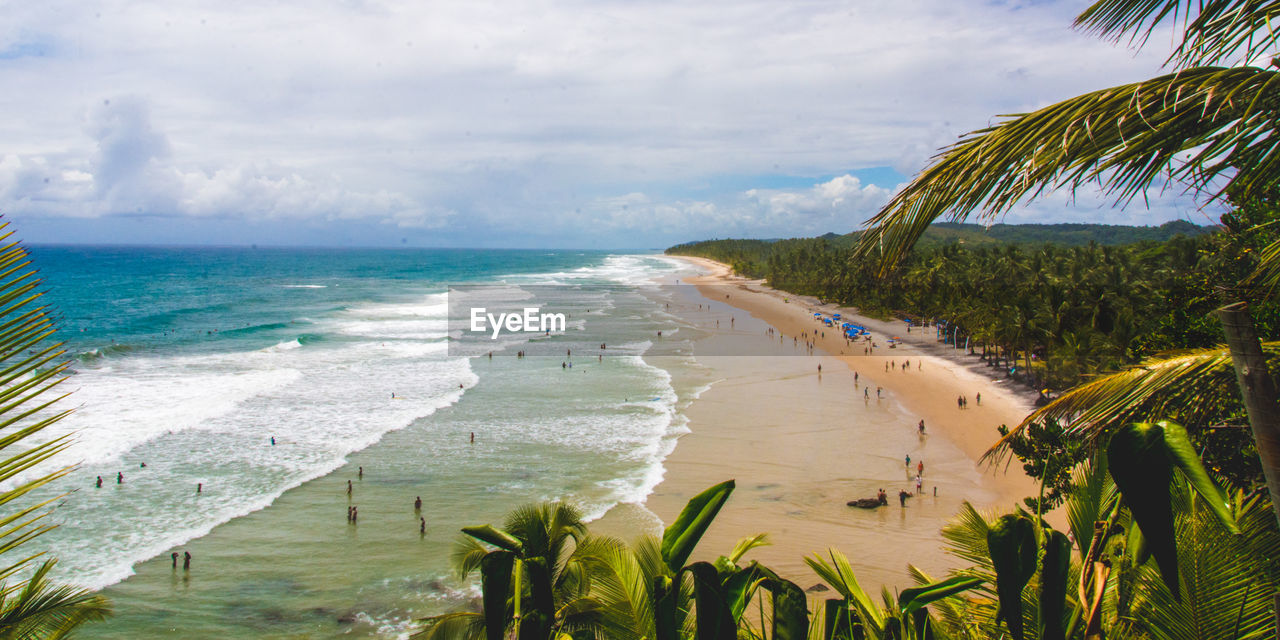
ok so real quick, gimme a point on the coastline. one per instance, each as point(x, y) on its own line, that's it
point(801, 443)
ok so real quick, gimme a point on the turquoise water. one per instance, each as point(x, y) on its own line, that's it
point(190, 360)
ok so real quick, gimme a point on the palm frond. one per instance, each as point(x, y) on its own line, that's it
point(1213, 32)
point(1190, 385)
point(459, 625)
point(747, 544)
point(1201, 125)
point(42, 610)
point(1228, 582)
point(31, 368)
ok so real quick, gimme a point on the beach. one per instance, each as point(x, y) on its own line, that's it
point(800, 443)
point(254, 395)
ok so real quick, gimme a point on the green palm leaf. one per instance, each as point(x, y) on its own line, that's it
point(1213, 32)
point(1199, 125)
point(1191, 385)
point(31, 368)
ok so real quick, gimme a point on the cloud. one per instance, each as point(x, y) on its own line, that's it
point(132, 172)
point(471, 116)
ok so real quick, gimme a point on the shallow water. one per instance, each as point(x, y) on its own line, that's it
point(190, 362)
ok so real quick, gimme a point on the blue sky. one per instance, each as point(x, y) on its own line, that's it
point(547, 123)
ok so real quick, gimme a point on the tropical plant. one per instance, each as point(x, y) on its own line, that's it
point(1169, 556)
point(598, 587)
point(31, 368)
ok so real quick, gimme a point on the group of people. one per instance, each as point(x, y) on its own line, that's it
point(353, 512)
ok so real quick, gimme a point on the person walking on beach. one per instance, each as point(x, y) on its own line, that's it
point(920, 468)
point(186, 560)
point(919, 483)
point(877, 392)
point(473, 437)
point(866, 393)
point(99, 482)
point(908, 463)
point(199, 487)
point(119, 477)
point(959, 402)
point(978, 399)
point(174, 556)
point(273, 441)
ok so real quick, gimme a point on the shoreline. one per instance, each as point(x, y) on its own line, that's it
point(802, 442)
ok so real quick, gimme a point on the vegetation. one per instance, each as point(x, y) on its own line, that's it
point(1155, 549)
point(31, 367)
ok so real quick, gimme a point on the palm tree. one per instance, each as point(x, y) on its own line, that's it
point(1209, 124)
point(534, 578)
point(31, 367)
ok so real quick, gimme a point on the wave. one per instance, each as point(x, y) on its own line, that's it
point(99, 353)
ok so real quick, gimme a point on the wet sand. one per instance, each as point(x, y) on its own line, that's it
point(800, 443)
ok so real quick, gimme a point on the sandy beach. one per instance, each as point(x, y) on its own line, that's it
point(801, 443)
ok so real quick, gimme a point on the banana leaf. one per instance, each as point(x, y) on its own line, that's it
point(1012, 544)
point(1053, 584)
point(679, 539)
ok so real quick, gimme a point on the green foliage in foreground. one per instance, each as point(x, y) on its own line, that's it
point(1155, 550)
point(31, 367)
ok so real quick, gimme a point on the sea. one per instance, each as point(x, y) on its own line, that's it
point(237, 402)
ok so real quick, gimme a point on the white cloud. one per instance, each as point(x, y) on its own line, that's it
point(474, 114)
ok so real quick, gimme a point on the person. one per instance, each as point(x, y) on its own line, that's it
point(819, 368)
point(902, 497)
point(473, 437)
point(920, 467)
point(922, 426)
point(360, 473)
point(959, 402)
point(142, 465)
point(349, 513)
point(348, 487)
point(866, 393)
point(919, 483)
point(355, 514)
point(174, 556)
point(417, 504)
point(855, 378)
point(908, 463)
point(186, 560)
point(119, 477)
point(883, 497)
point(393, 395)
point(199, 487)
point(273, 441)
point(877, 392)
point(978, 398)
point(422, 526)
point(99, 482)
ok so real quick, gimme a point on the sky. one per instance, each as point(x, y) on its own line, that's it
point(538, 123)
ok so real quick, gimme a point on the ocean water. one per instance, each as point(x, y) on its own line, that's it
point(187, 362)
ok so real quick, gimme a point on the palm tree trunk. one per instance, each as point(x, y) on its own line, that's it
point(1260, 399)
point(1259, 391)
